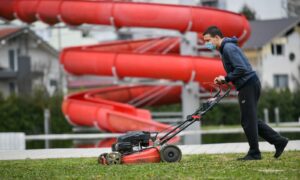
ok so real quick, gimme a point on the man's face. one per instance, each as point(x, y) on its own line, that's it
point(214, 40)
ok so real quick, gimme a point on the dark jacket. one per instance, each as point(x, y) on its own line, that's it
point(235, 63)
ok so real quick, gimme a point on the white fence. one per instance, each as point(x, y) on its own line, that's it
point(12, 141)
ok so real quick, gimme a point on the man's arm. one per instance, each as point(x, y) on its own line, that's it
point(237, 61)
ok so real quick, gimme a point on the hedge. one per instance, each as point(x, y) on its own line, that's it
point(25, 114)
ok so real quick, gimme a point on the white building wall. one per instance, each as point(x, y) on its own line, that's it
point(4, 63)
point(274, 64)
point(42, 60)
point(294, 47)
point(62, 37)
point(45, 62)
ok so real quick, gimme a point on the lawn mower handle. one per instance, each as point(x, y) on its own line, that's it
point(196, 116)
point(216, 101)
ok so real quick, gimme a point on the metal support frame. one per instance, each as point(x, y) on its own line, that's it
point(189, 42)
point(47, 126)
point(190, 91)
point(190, 102)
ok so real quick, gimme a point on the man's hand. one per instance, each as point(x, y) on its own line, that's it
point(219, 80)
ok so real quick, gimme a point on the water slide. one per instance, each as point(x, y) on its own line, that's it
point(115, 109)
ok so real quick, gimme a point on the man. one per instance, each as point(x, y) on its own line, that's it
point(240, 73)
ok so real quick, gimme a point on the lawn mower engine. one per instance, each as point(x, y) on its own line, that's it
point(135, 139)
point(133, 147)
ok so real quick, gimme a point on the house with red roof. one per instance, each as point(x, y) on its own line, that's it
point(27, 62)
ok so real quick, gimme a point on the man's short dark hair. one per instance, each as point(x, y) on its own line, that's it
point(213, 31)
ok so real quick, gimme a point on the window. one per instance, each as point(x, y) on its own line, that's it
point(277, 49)
point(12, 87)
point(53, 82)
point(292, 56)
point(210, 3)
point(84, 34)
point(11, 58)
point(281, 81)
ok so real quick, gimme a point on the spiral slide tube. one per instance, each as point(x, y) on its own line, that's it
point(113, 109)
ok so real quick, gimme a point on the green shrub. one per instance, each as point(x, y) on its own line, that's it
point(26, 114)
point(223, 114)
point(284, 100)
point(287, 102)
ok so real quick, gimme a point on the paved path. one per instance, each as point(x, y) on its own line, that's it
point(94, 152)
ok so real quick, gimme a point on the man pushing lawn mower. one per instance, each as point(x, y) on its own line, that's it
point(240, 73)
point(151, 147)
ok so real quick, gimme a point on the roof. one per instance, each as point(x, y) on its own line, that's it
point(8, 32)
point(4, 32)
point(263, 31)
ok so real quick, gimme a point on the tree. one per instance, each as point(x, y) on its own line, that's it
point(293, 8)
point(248, 12)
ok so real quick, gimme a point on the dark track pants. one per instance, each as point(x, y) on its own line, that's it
point(248, 97)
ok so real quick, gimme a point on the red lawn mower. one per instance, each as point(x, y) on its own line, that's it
point(134, 147)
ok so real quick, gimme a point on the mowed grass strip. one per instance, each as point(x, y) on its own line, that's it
point(220, 166)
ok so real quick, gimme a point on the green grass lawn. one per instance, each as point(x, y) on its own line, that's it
point(221, 166)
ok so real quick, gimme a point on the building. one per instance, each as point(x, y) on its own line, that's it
point(61, 36)
point(26, 62)
point(264, 9)
point(274, 51)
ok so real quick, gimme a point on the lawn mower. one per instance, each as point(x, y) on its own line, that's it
point(148, 147)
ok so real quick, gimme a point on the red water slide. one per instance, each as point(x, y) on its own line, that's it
point(112, 109)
